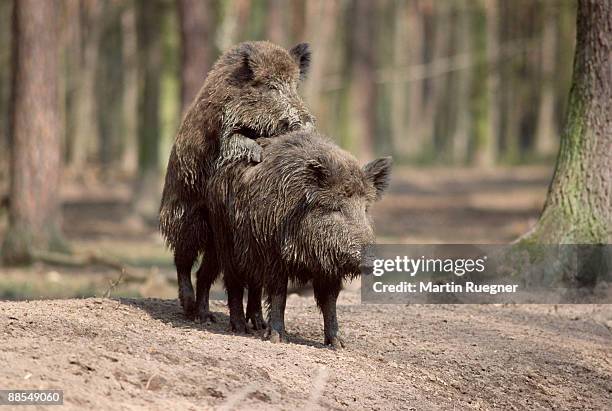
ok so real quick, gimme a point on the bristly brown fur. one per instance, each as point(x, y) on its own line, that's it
point(250, 92)
point(301, 215)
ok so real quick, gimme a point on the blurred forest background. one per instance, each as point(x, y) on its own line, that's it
point(450, 82)
point(469, 95)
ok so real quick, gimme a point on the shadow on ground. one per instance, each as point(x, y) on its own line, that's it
point(170, 312)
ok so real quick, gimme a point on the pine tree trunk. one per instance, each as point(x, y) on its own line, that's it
point(148, 22)
point(447, 103)
point(196, 39)
point(399, 89)
point(85, 138)
point(321, 18)
point(5, 64)
point(234, 23)
point(482, 146)
point(578, 208)
point(437, 42)
point(363, 84)
point(275, 27)
point(298, 22)
point(34, 215)
point(416, 91)
point(545, 141)
point(493, 80)
point(129, 151)
point(109, 91)
point(461, 131)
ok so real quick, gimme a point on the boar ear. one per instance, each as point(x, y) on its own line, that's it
point(318, 171)
point(243, 73)
point(301, 54)
point(378, 173)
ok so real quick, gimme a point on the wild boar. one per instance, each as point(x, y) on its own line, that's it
point(301, 215)
point(250, 92)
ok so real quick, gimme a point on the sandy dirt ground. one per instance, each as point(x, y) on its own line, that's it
point(142, 354)
point(139, 353)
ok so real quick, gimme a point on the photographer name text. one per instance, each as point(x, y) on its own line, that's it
point(430, 287)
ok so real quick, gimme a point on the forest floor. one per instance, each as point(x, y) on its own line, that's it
point(142, 354)
point(139, 353)
point(423, 206)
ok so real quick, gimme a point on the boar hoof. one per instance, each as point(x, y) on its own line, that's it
point(239, 327)
point(189, 307)
point(256, 153)
point(275, 337)
point(207, 316)
point(336, 342)
point(258, 322)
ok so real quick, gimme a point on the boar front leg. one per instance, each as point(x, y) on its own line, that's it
point(277, 299)
point(183, 260)
point(207, 274)
point(253, 311)
point(326, 295)
point(235, 293)
point(238, 147)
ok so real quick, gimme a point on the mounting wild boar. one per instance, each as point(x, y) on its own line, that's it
point(301, 214)
point(250, 92)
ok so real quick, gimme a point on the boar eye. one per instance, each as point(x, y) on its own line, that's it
point(262, 84)
point(335, 208)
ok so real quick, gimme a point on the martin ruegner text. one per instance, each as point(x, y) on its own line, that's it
point(429, 287)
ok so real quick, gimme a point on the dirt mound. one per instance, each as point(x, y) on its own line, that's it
point(136, 354)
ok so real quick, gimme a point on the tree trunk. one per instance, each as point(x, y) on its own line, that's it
point(363, 78)
point(196, 40)
point(275, 22)
point(545, 141)
point(446, 105)
point(298, 22)
point(129, 49)
point(417, 93)
point(461, 131)
point(482, 145)
point(5, 64)
point(109, 91)
point(85, 133)
point(34, 215)
point(578, 207)
point(148, 21)
point(493, 80)
point(436, 47)
point(234, 23)
point(321, 18)
point(399, 89)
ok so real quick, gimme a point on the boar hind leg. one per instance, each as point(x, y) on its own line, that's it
point(207, 274)
point(235, 293)
point(184, 262)
point(326, 294)
point(254, 312)
point(277, 299)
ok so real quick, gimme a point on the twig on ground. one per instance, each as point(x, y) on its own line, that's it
point(112, 286)
point(149, 381)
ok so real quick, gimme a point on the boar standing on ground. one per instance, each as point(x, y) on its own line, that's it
point(250, 92)
point(302, 215)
